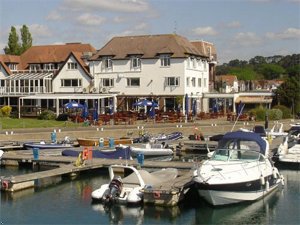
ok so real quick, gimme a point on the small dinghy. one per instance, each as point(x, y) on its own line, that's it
point(127, 189)
point(152, 149)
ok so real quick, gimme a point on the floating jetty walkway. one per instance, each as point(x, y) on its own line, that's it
point(165, 194)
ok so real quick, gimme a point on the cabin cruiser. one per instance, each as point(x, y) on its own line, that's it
point(239, 170)
point(288, 152)
point(152, 149)
point(128, 189)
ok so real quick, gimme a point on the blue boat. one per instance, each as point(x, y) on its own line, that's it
point(120, 152)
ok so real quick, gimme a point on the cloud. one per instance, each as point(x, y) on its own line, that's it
point(54, 15)
point(90, 20)
point(38, 30)
point(202, 31)
point(126, 6)
point(288, 34)
point(233, 24)
point(247, 39)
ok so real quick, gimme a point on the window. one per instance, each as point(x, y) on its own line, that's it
point(12, 66)
point(133, 82)
point(72, 66)
point(172, 81)
point(49, 66)
point(34, 67)
point(108, 63)
point(71, 83)
point(107, 82)
point(193, 82)
point(205, 80)
point(194, 62)
point(204, 63)
point(135, 62)
point(165, 60)
point(199, 82)
point(187, 81)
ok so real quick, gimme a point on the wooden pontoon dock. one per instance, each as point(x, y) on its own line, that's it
point(170, 193)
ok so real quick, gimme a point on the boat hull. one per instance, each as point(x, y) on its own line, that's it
point(30, 146)
point(215, 197)
point(95, 141)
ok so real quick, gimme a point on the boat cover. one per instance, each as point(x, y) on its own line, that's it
point(239, 136)
point(120, 152)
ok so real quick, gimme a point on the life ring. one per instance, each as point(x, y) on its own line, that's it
point(156, 194)
point(4, 184)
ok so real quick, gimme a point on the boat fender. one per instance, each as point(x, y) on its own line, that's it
point(282, 180)
point(156, 194)
point(274, 173)
point(85, 154)
point(4, 184)
point(267, 186)
point(262, 180)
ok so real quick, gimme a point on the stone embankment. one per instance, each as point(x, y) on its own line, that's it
point(206, 127)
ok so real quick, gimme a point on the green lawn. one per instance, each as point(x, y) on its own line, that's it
point(10, 123)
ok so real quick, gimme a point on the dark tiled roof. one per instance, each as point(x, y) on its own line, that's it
point(148, 46)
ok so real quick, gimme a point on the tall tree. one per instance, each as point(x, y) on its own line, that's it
point(13, 47)
point(26, 38)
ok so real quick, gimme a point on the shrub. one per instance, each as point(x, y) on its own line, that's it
point(275, 114)
point(62, 117)
point(6, 110)
point(47, 115)
point(286, 112)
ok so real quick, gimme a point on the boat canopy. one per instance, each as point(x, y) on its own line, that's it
point(243, 140)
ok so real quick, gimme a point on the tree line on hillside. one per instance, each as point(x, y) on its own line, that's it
point(259, 67)
point(14, 47)
point(286, 68)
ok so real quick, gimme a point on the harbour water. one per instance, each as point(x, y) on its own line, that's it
point(68, 201)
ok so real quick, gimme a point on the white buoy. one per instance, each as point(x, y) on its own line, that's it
point(11, 132)
point(267, 186)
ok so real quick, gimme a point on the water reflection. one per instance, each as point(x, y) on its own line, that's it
point(257, 212)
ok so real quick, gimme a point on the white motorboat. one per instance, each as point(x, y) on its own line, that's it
point(239, 170)
point(288, 153)
point(128, 189)
point(152, 149)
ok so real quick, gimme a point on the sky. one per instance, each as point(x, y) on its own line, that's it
point(239, 29)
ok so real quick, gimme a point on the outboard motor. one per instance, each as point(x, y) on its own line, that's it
point(115, 189)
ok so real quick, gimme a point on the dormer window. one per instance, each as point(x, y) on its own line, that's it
point(13, 66)
point(108, 63)
point(135, 62)
point(35, 67)
point(49, 66)
point(165, 60)
point(72, 66)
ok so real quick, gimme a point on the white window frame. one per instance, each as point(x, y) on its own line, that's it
point(193, 81)
point(72, 65)
point(34, 67)
point(132, 80)
point(188, 81)
point(165, 61)
point(107, 82)
point(12, 66)
point(199, 82)
point(172, 81)
point(108, 63)
point(64, 82)
point(49, 66)
point(135, 62)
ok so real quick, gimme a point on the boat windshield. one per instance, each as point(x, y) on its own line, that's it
point(235, 154)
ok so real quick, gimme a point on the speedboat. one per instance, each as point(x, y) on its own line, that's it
point(168, 137)
point(239, 170)
point(127, 190)
point(152, 149)
point(48, 145)
point(288, 153)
